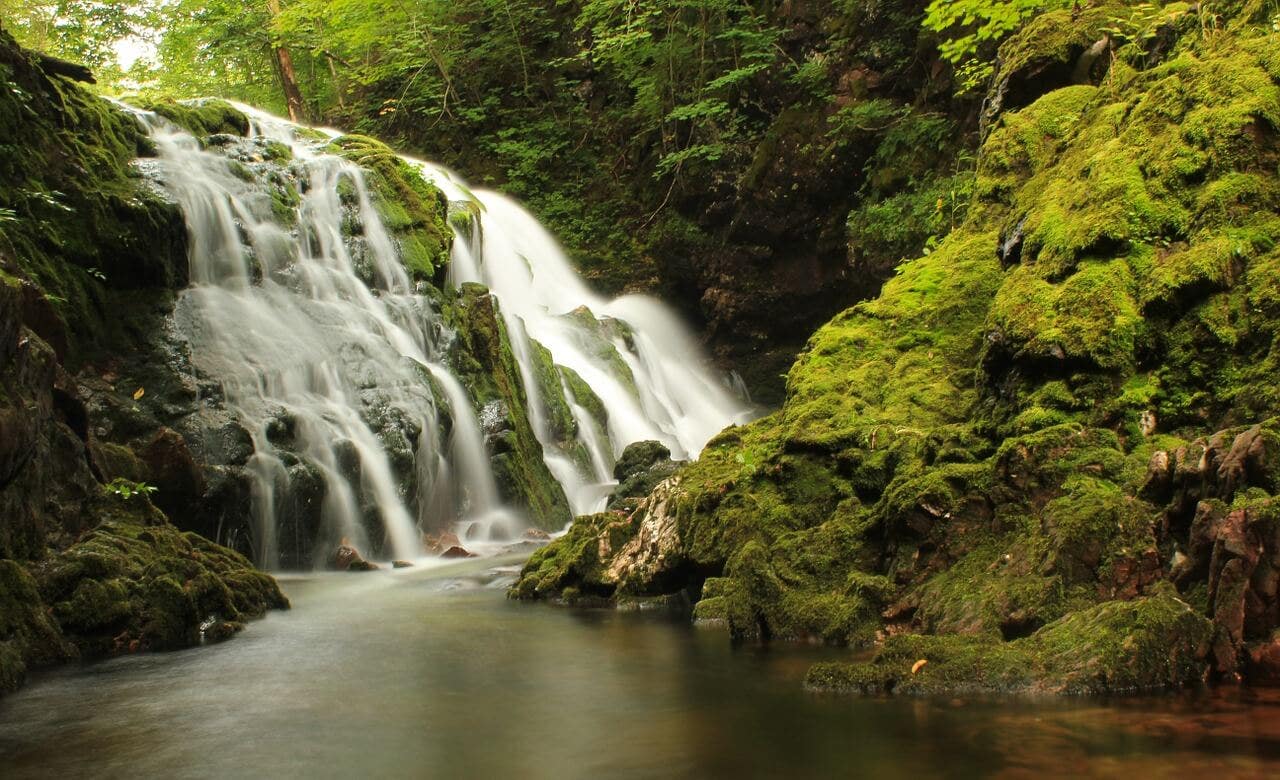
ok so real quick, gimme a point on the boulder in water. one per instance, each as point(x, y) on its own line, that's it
point(457, 552)
point(348, 558)
point(536, 535)
point(401, 565)
point(438, 544)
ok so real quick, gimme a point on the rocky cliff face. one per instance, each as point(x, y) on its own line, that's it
point(88, 565)
point(1044, 457)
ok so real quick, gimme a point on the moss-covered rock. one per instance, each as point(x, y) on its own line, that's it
point(29, 638)
point(88, 260)
point(82, 223)
point(413, 210)
point(1004, 459)
point(135, 582)
point(640, 467)
point(483, 360)
point(1152, 643)
point(202, 118)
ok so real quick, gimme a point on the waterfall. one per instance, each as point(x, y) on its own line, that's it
point(337, 362)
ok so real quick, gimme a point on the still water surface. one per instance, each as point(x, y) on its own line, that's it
point(433, 673)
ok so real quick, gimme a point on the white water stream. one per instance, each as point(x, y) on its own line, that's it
point(331, 358)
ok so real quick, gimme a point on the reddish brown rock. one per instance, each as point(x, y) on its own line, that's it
point(1262, 662)
point(348, 558)
point(173, 471)
point(438, 544)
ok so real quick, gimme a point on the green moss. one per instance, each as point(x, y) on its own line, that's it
point(413, 210)
point(135, 582)
point(559, 416)
point(571, 568)
point(84, 224)
point(276, 151)
point(965, 454)
point(603, 335)
point(883, 370)
point(284, 200)
point(585, 397)
point(29, 638)
point(483, 360)
point(1153, 643)
point(200, 117)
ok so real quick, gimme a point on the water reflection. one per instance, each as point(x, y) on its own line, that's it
point(434, 673)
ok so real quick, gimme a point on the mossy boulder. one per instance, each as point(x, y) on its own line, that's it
point(1154, 643)
point(134, 582)
point(639, 469)
point(29, 637)
point(202, 118)
point(1009, 459)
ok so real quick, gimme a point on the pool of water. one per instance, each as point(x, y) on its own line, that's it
point(432, 672)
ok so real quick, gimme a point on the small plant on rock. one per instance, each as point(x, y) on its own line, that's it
point(127, 489)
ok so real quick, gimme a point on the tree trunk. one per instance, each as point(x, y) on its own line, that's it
point(288, 79)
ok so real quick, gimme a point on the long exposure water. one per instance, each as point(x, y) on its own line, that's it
point(301, 309)
point(433, 673)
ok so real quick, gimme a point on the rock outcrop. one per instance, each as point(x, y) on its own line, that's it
point(88, 565)
point(1043, 458)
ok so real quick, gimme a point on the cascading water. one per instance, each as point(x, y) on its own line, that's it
point(302, 311)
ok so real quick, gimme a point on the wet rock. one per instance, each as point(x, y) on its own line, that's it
point(438, 544)
point(1234, 549)
point(536, 535)
point(1159, 479)
point(639, 469)
point(173, 471)
point(348, 558)
point(639, 456)
point(1009, 249)
point(401, 565)
point(1245, 463)
point(523, 546)
point(457, 552)
point(39, 315)
point(214, 631)
point(610, 552)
